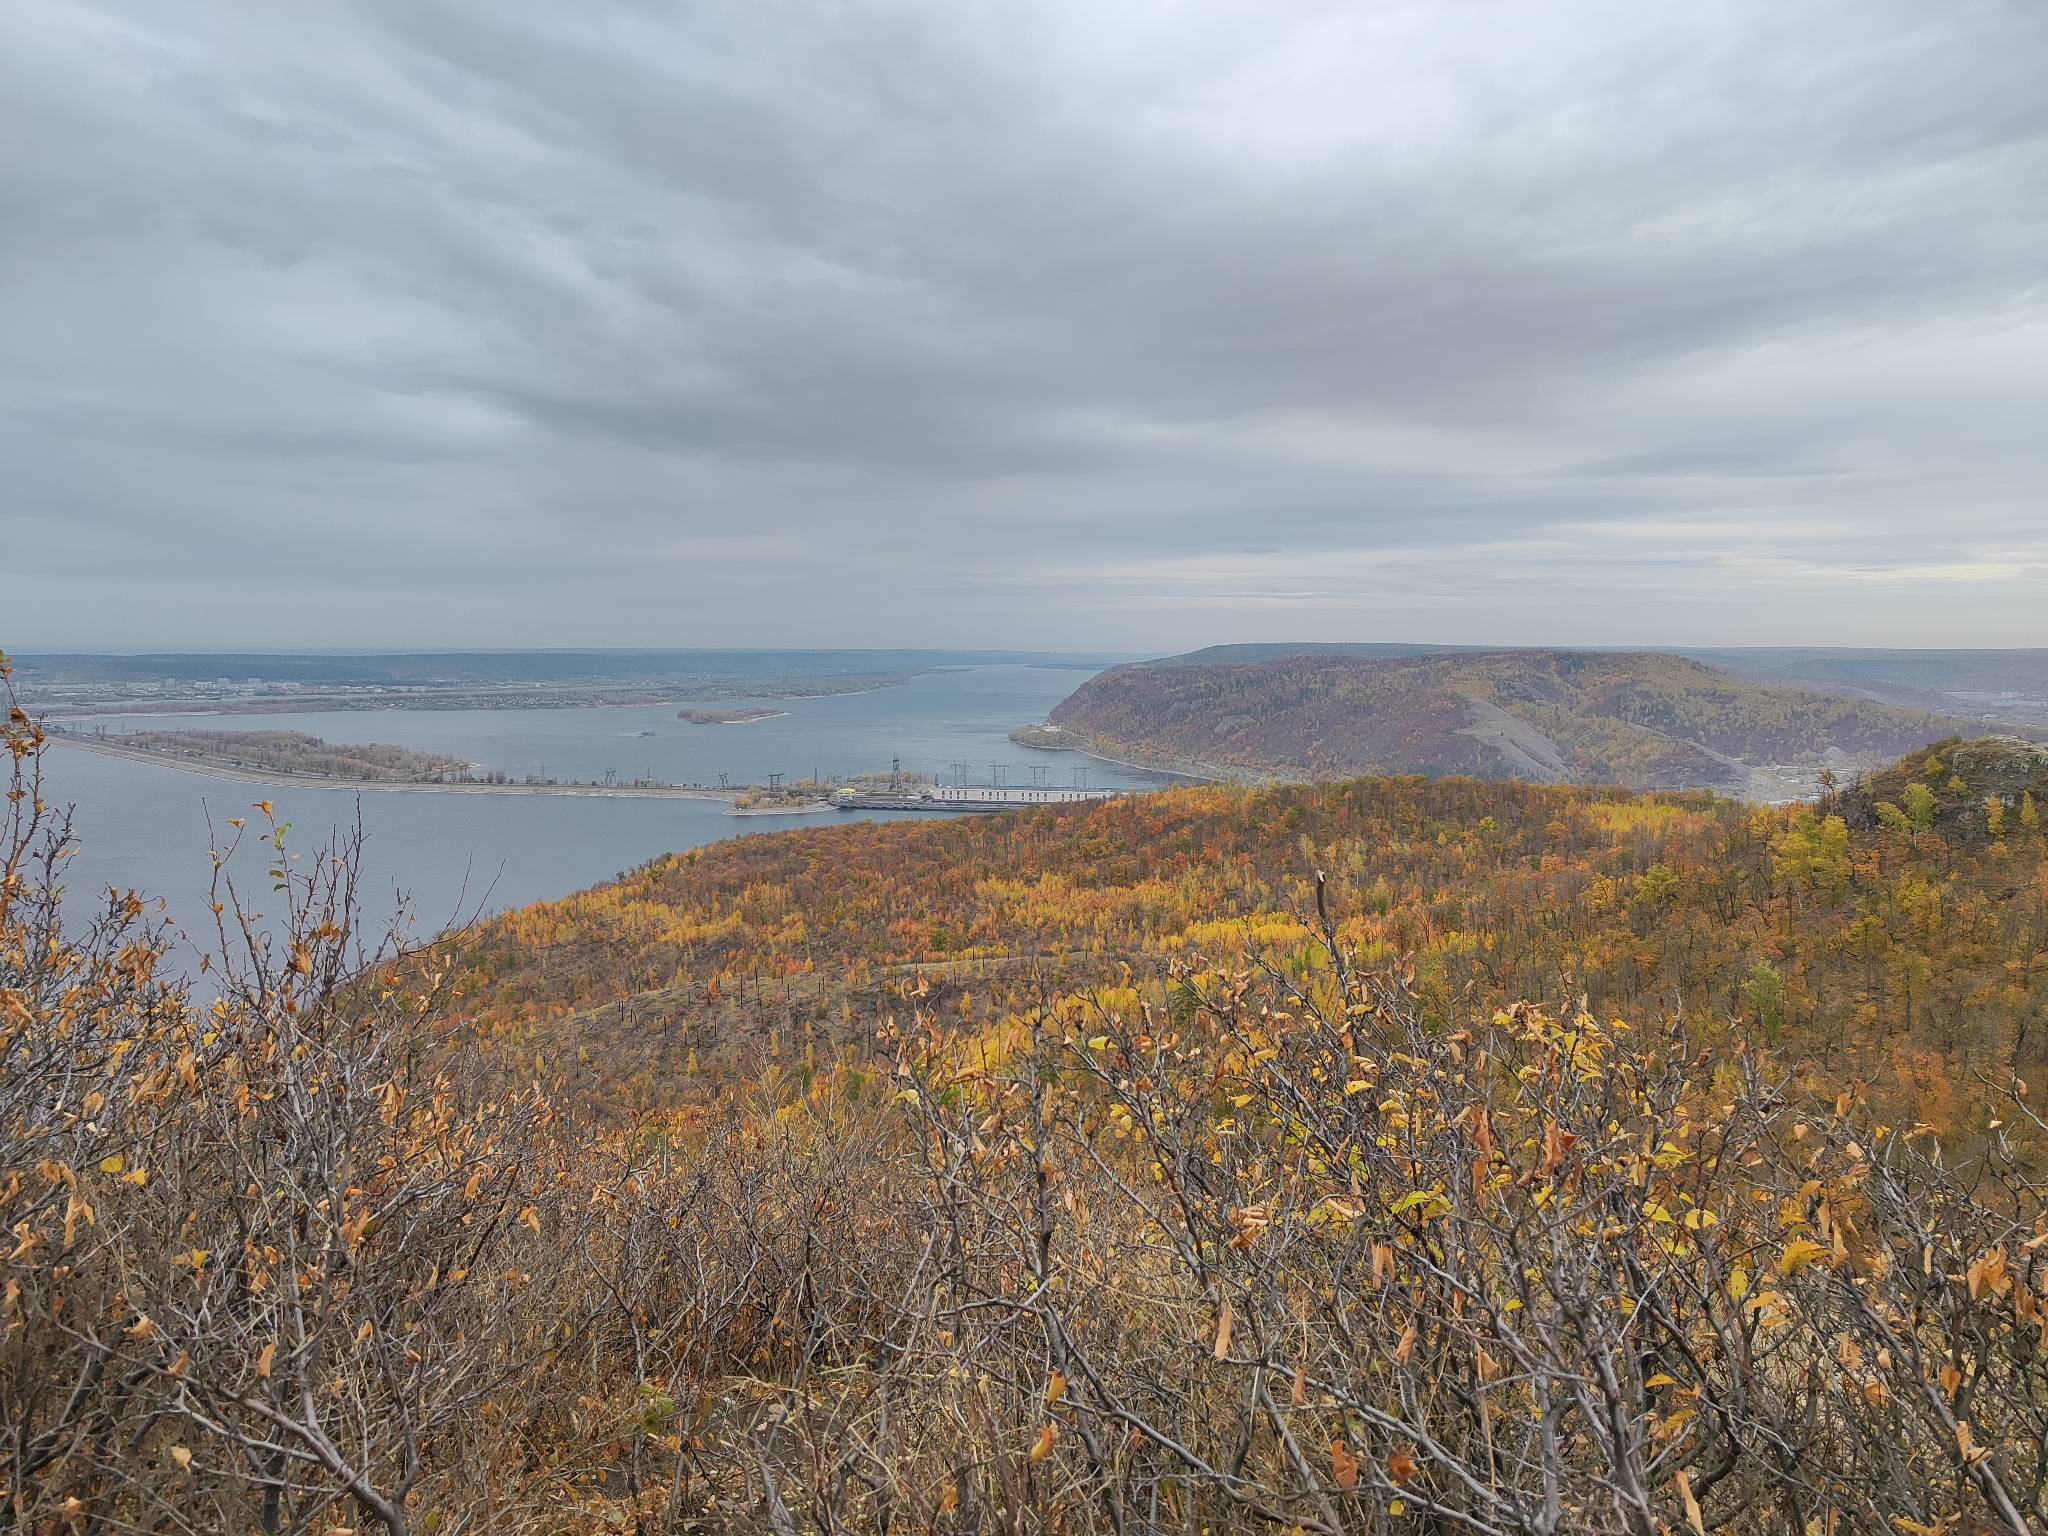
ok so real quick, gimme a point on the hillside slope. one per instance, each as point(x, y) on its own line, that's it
point(1642, 719)
point(1187, 1162)
point(1897, 944)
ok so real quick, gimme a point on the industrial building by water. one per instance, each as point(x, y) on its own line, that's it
point(966, 797)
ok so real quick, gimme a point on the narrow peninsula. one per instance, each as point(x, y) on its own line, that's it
point(727, 716)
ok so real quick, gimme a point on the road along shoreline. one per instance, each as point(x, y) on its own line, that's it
point(1047, 738)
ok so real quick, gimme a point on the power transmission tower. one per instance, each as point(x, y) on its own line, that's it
point(775, 781)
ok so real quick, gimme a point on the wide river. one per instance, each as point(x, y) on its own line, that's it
point(452, 855)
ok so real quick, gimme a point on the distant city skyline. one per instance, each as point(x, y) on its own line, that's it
point(1049, 326)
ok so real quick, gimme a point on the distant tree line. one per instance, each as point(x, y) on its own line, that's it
point(297, 753)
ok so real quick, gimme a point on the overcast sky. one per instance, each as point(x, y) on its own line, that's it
point(1061, 323)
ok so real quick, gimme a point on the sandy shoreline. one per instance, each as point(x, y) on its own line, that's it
point(766, 714)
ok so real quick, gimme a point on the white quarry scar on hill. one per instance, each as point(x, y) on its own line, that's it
point(1528, 752)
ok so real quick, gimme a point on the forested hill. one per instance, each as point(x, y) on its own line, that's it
point(1898, 933)
point(1643, 719)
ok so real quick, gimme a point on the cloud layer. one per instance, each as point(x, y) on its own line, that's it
point(1056, 324)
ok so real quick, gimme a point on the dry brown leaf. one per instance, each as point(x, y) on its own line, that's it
point(1966, 1443)
point(1693, 1516)
point(1343, 1465)
point(1048, 1437)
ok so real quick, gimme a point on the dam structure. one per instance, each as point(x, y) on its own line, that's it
point(966, 797)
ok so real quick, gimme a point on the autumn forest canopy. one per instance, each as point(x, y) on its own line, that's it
point(1399, 1153)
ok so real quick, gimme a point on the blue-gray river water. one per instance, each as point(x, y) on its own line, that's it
point(144, 826)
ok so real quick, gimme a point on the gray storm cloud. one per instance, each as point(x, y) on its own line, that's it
point(1054, 324)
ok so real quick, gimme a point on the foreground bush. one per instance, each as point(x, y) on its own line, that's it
point(1235, 1250)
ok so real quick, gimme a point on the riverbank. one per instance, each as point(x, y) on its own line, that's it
point(1051, 738)
point(361, 701)
point(232, 775)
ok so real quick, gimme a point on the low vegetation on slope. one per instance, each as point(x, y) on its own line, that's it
point(1250, 1236)
point(1904, 946)
point(1645, 720)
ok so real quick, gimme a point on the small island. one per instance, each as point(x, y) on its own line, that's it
point(726, 716)
point(295, 754)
